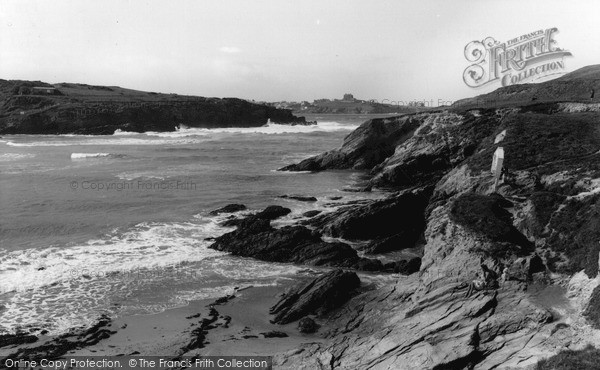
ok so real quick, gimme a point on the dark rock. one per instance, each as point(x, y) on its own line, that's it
point(523, 268)
point(389, 244)
point(19, 338)
point(61, 345)
point(230, 208)
point(592, 311)
point(311, 213)
point(443, 141)
point(223, 300)
point(365, 147)
point(543, 205)
point(575, 231)
point(320, 296)
point(268, 214)
point(405, 267)
point(399, 214)
point(256, 238)
point(335, 198)
point(307, 325)
point(366, 264)
point(274, 334)
point(272, 212)
point(486, 215)
point(198, 339)
point(299, 198)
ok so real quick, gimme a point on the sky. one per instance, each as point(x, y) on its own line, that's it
point(278, 50)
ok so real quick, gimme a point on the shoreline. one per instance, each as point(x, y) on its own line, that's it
point(242, 319)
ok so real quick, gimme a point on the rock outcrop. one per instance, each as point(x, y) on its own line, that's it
point(230, 208)
point(51, 348)
point(396, 222)
point(307, 325)
point(320, 296)
point(267, 214)
point(258, 239)
point(364, 148)
point(300, 198)
point(540, 222)
point(101, 110)
point(255, 237)
point(427, 321)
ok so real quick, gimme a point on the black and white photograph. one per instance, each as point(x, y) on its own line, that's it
point(299, 185)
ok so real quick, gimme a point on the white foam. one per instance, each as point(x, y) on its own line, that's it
point(269, 129)
point(273, 128)
point(183, 136)
point(8, 157)
point(88, 155)
point(145, 246)
point(119, 132)
point(75, 283)
point(146, 269)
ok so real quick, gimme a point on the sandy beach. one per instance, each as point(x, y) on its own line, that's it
point(241, 327)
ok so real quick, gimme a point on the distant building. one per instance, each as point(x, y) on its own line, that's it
point(348, 97)
point(44, 91)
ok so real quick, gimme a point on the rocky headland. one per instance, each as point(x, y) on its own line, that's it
point(35, 107)
point(538, 232)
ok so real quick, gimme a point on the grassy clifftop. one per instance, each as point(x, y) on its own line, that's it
point(35, 107)
point(582, 85)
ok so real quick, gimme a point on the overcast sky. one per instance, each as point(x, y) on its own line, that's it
point(277, 50)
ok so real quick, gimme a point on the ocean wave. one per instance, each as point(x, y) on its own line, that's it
point(147, 245)
point(8, 157)
point(145, 269)
point(106, 140)
point(75, 282)
point(269, 129)
point(119, 132)
point(183, 136)
point(274, 129)
point(89, 155)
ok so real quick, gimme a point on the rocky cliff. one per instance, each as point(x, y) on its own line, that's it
point(538, 232)
point(28, 107)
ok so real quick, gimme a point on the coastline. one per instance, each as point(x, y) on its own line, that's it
point(243, 321)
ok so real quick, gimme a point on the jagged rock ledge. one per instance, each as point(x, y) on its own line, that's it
point(255, 237)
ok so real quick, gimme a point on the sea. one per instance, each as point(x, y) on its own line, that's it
point(119, 224)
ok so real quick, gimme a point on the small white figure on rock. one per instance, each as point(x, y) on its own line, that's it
point(497, 165)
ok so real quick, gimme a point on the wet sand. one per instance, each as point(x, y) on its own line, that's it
point(169, 332)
